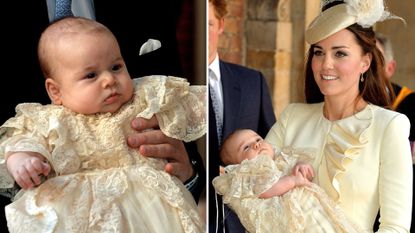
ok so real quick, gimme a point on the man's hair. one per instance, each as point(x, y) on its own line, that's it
point(220, 8)
point(229, 157)
point(386, 44)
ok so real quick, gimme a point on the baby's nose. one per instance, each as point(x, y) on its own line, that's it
point(257, 145)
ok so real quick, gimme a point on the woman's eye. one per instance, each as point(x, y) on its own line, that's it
point(91, 75)
point(340, 54)
point(317, 53)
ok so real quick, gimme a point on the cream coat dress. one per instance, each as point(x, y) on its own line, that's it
point(363, 162)
point(100, 184)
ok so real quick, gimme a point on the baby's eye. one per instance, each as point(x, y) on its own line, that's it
point(91, 75)
point(116, 67)
point(246, 148)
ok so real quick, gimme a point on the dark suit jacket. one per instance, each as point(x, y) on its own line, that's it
point(407, 107)
point(247, 105)
point(132, 25)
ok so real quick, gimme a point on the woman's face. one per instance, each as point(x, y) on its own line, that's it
point(337, 63)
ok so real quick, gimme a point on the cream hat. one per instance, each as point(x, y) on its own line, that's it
point(363, 12)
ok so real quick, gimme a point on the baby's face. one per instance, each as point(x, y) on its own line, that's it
point(92, 75)
point(247, 145)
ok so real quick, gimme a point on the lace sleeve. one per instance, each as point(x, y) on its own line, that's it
point(6, 180)
point(288, 157)
point(17, 134)
point(180, 108)
point(249, 179)
point(7, 184)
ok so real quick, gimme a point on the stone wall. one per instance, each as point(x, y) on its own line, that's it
point(231, 46)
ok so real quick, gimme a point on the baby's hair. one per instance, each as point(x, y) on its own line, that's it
point(62, 29)
point(223, 153)
point(229, 157)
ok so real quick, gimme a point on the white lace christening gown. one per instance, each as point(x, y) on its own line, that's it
point(301, 210)
point(99, 183)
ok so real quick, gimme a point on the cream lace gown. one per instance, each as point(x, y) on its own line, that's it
point(301, 210)
point(101, 185)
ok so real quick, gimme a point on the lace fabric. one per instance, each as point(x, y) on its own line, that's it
point(98, 179)
point(185, 119)
point(303, 209)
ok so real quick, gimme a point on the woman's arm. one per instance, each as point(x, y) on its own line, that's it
point(395, 179)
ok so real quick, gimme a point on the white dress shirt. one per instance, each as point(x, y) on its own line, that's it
point(216, 84)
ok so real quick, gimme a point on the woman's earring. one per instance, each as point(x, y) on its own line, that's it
point(362, 79)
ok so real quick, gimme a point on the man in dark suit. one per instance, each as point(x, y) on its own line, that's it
point(243, 102)
point(133, 26)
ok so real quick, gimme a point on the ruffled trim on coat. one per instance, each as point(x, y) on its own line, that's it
point(344, 144)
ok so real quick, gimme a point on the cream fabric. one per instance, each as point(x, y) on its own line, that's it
point(363, 162)
point(101, 185)
point(302, 209)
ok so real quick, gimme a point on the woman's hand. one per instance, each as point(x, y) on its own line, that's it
point(151, 142)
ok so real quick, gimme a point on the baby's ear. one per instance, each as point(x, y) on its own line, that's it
point(52, 87)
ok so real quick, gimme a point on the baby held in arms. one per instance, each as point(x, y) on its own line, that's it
point(273, 192)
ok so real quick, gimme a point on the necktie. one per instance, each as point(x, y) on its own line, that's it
point(216, 107)
point(63, 9)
